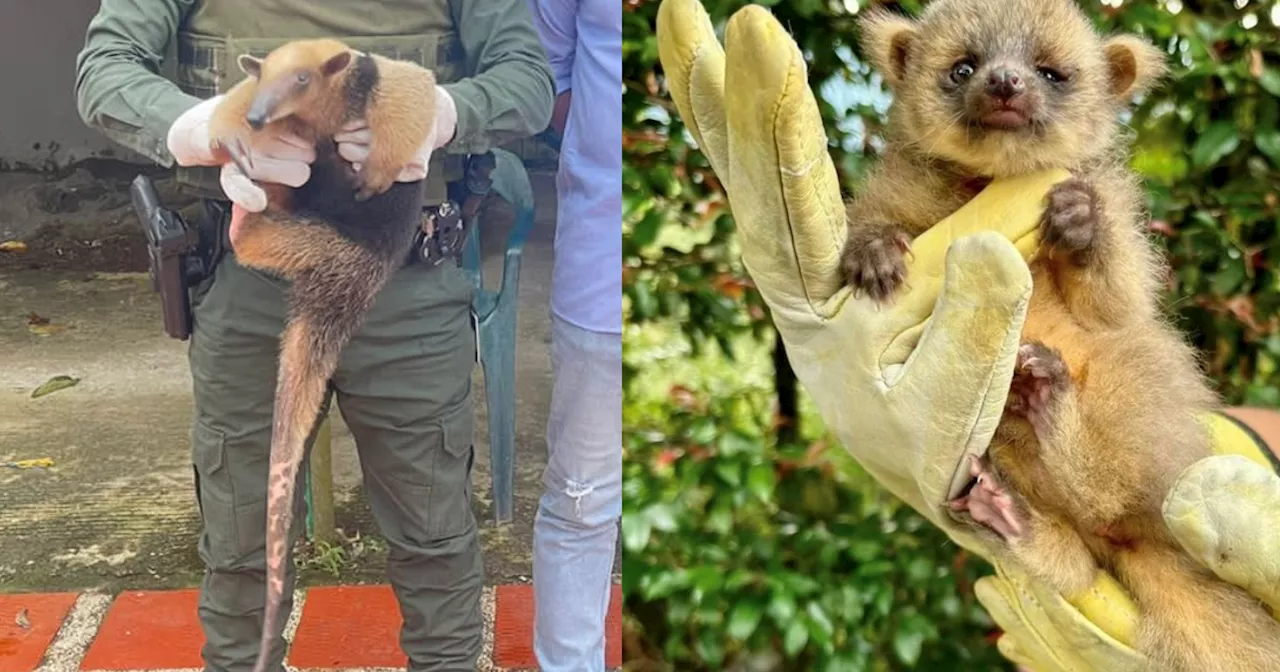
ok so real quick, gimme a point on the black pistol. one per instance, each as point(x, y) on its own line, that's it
point(170, 243)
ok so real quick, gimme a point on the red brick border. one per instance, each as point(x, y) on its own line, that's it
point(513, 627)
point(342, 626)
point(22, 648)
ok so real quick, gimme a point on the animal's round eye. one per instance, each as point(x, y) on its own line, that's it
point(304, 77)
point(1051, 74)
point(961, 71)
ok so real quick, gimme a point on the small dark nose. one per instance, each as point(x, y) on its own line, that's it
point(1005, 84)
point(256, 121)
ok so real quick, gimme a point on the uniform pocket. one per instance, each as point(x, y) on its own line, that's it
point(451, 498)
point(429, 486)
point(215, 495)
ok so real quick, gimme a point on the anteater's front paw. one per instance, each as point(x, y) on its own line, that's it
point(1069, 225)
point(1038, 375)
point(371, 182)
point(874, 261)
point(234, 144)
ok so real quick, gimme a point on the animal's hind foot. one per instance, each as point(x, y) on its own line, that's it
point(1038, 375)
point(988, 503)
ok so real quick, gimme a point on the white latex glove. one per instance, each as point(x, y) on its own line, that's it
point(279, 158)
point(353, 141)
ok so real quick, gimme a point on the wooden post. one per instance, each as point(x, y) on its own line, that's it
point(321, 482)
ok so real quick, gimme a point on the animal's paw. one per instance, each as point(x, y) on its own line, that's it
point(874, 260)
point(371, 182)
point(232, 142)
point(1038, 374)
point(1070, 221)
point(988, 503)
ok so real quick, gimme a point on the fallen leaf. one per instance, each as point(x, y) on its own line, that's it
point(53, 385)
point(22, 620)
point(14, 246)
point(46, 329)
point(42, 462)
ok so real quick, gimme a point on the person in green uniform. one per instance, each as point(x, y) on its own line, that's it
point(403, 384)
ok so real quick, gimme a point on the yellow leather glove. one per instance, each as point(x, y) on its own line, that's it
point(911, 389)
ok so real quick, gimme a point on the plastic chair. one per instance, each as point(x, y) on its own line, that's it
point(496, 314)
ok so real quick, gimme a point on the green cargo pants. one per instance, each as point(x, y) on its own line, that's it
point(403, 386)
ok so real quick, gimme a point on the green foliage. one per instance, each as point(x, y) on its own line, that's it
point(737, 550)
point(721, 520)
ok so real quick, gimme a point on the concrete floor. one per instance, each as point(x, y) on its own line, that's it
point(116, 510)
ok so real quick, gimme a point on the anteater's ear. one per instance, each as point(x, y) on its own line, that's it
point(336, 64)
point(886, 40)
point(1133, 65)
point(249, 65)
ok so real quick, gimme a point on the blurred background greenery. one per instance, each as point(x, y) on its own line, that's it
point(750, 541)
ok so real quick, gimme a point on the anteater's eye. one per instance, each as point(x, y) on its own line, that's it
point(304, 77)
point(1051, 74)
point(962, 71)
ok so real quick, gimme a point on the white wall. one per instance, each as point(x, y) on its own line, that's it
point(39, 126)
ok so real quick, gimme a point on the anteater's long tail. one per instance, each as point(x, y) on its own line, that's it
point(1194, 622)
point(327, 308)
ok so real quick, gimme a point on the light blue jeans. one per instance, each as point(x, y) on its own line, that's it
point(575, 531)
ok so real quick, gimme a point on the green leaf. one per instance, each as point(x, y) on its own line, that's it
point(743, 620)
point(1217, 141)
point(795, 639)
point(635, 532)
point(731, 472)
point(760, 481)
point(646, 230)
point(782, 608)
point(53, 385)
point(906, 645)
point(1268, 142)
point(1270, 81)
point(662, 517)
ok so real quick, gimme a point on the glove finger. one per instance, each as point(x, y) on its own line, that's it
point(780, 161)
point(356, 128)
point(411, 173)
point(241, 190)
point(971, 342)
point(284, 148)
point(1022, 643)
point(353, 151)
point(280, 171)
point(1215, 510)
point(693, 64)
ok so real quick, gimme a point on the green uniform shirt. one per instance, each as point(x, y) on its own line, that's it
point(120, 91)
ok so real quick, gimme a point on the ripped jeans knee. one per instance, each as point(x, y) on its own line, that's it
point(590, 500)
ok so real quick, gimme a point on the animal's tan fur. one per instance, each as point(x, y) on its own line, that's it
point(1088, 471)
point(338, 258)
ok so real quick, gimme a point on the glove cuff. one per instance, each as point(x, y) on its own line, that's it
point(188, 136)
point(446, 119)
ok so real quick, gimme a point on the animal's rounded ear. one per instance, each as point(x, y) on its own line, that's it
point(250, 65)
point(1133, 65)
point(336, 64)
point(886, 40)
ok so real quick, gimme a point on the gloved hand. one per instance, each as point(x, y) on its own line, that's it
point(914, 388)
point(911, 388)
point(1217, 504)
point(353, 141)
point(279, 158)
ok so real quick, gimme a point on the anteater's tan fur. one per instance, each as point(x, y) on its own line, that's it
point(1104, 404)
point(337, 238)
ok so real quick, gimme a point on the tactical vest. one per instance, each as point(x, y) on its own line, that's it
point(215, 33)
